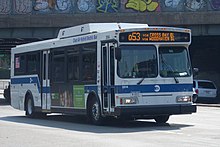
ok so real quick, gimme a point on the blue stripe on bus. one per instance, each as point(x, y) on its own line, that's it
point(30, 80)
point(144, 88)
point(151, 88)
point(26, 80)
point(46, 90)
point(118, 88)
point(91, 88)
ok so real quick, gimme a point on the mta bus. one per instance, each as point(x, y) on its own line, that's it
point(120, 70)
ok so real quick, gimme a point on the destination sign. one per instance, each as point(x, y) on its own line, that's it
point(154, 36)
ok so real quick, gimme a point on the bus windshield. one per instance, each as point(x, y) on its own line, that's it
point(141, 62)
point(138, 62)
point(174, 62)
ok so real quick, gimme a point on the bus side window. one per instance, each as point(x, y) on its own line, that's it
point(33, 65)
point(88, 73)
point(88, 68)
point(20, 64)
point(59, 66)
point(89, 63)
point(73, 65)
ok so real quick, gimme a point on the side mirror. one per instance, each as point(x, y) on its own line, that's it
point(118, 53)
point(195, 71)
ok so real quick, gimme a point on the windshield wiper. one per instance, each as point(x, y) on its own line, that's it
point(176, 80)
point(138, 83)
point(169, 66)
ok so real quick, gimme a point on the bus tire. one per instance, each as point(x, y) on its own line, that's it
point(162, 118)
point(29, 107)
point(94, 112)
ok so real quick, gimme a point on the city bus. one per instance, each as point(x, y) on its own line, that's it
point(101, 70)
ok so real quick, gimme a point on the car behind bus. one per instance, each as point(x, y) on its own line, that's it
point(205, 89)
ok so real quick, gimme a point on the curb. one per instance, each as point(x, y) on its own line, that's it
point(208, 105)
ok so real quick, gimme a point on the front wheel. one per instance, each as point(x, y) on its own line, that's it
point(162, 118)
point(94, 111)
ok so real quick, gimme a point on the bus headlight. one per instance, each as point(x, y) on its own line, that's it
point(130, 100)
point(185, 98)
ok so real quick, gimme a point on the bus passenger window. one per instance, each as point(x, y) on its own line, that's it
point(89, 63)
point(88, 73)
point(58, 66)
point(20, 64)
point(73, 68)
point(33, 63)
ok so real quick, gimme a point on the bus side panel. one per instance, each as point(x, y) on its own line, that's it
point(16, 100)
point(61, 95)
point(71, 96)
point(19, 88)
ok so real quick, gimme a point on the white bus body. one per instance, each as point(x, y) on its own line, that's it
point(109, 69)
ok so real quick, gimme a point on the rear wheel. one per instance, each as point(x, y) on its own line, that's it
point(30, 107)
point(162, 118)
point(94, 111)
point(30, 111)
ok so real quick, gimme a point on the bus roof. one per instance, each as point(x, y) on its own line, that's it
point(96, 27)
point(36, 43)
point(87, 29)
point(90, 28)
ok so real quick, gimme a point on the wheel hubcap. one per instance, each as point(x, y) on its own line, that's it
point(95, 111)
point(29, 107)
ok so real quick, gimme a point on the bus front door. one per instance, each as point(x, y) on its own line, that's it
point(45, 85)
point(108, 66)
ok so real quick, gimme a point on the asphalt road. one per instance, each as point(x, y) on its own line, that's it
point(201, 129)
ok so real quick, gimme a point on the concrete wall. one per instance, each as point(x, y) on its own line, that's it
point(47, 26)
point(10, 7)
point(43, 18)
point(63, 13)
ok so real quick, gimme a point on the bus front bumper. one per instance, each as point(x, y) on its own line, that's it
point(155, 110)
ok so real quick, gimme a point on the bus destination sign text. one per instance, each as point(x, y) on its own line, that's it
point(154, 36)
